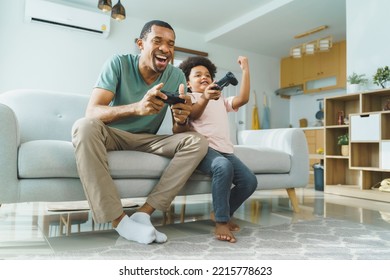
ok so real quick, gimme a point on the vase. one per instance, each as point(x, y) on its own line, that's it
point(353, 88)
point(345, 150)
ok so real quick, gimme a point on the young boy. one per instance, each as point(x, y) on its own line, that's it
point(209, 117)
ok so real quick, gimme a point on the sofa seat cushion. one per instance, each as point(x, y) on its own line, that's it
point(133, 164)
point(47, 159)
point(263, 160)
point(53, 159)
point(56, 159)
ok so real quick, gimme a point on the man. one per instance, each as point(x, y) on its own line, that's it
point(124, 112)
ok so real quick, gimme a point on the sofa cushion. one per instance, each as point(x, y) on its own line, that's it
point(55, 158)
point(47, 159)
point(263, 160)
point(133, 164)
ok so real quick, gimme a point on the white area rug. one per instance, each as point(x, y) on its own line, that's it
point(320, 239)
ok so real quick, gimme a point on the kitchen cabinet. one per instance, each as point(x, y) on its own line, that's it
point(368, 128)
point(291, 72)
point(325, 70)
point(315, 141)
point(318, 72)
point(321, 64)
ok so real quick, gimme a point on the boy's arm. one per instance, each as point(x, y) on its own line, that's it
point(199, 106)
point(243, 97)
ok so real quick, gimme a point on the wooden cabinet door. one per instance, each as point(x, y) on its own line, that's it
point(329, 62)
point(311, 67)
point(291, 72)
point(321, 64)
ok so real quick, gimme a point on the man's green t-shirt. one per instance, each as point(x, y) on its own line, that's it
point(121, 76)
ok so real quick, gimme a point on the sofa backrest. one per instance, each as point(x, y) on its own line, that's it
point(45, 114)
point(50, 115)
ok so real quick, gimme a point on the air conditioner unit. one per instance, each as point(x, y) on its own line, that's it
point(67, 16)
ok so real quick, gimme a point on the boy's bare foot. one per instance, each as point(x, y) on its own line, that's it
point(223, 233)
point(232, 225)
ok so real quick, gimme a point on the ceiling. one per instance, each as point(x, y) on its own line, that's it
point(265, 27)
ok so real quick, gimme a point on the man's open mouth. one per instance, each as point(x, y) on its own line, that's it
point(162, 59)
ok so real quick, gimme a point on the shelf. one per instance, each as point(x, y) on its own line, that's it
point(368, 162)
point(316, 156)
point(354, 191)
point(385, 125)
point(339, 157)
point(348, 104)
point(331, 135)
point(365, 155)
point(337, 126)
point(374, 101)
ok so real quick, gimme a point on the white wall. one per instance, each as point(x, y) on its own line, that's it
point(46, 57)
point(367, 36)
point(367, 49)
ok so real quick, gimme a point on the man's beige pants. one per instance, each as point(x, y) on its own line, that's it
point(92, 140)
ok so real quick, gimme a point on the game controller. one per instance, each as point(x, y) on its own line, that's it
point(225, 81)
point(173, 98)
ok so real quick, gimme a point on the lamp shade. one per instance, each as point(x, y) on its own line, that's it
point(310, 48)
point(118, 11)
point(105, 5)
point(325, 44)
point(296, 52)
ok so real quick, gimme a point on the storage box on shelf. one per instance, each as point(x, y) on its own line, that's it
point(368, 126)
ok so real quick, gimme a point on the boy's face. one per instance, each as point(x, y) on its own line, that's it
point(199, 79)
point(157, 48)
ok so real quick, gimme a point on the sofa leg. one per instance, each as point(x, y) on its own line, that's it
point(294, 200)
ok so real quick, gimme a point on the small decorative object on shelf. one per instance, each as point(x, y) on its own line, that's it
point(343, 141)
point(386, 107)
point(356, 81)
point(382, 76)
point(340, 118)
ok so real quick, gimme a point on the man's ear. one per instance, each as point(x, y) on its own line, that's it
point(140, 44)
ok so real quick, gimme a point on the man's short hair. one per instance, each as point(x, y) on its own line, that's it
point(148, 27)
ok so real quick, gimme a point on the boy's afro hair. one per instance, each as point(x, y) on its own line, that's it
point(194, 61)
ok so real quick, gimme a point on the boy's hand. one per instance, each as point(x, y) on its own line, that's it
point(212, 92)
point(243, 62)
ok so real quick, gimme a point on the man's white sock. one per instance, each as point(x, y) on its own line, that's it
point(144, 218)
point(131, 230)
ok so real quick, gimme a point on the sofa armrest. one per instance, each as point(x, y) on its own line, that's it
point(9, 143)
point(289, 140)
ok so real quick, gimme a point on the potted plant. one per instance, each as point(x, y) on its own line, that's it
point(343, 141)
point(382, 76)
point(355, 81)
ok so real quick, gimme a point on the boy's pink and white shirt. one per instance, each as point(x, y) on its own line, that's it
point(214, 123)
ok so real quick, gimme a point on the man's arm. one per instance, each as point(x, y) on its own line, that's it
point(98, 106)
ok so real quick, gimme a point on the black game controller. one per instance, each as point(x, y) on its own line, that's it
point(173, 98)
point(225, 81)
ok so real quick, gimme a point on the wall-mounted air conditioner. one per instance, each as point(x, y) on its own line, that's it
point(67, 15)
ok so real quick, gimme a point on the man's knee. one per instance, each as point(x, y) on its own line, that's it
point(201, 143)
point(84, 128)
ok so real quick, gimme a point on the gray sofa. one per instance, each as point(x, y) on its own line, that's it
point(37, 160)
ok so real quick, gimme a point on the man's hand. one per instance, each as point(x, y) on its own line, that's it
point(181, 111)
point(150, 104)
